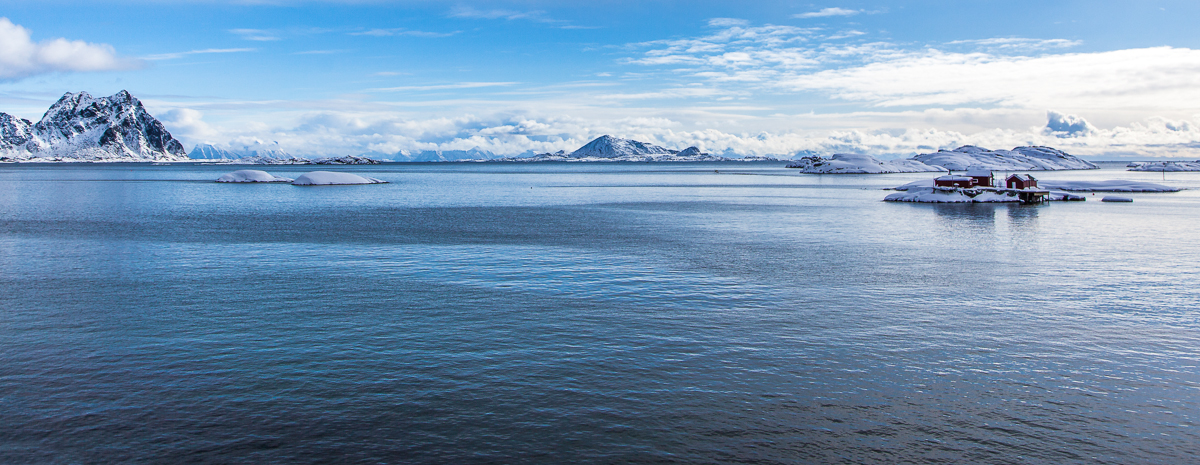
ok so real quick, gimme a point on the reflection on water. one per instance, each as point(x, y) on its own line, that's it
point(617, 313)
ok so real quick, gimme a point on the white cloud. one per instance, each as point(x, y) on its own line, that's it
point(826, 12)
point(727, 22)
point(537, 16)
point(171, 56)
point(773, 60)
point(380, 129)
point(1151, 78)
point(21, 57)
point(260, 35)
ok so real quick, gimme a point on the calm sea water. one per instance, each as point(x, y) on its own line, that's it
point(589, 312)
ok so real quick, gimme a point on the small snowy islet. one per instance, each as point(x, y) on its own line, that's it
point(332, 178)
point(251, 176)
point(1115, 198)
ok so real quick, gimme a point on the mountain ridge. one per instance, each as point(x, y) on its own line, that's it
point(82, 128)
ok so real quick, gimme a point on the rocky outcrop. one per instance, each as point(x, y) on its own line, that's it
point(79, 127)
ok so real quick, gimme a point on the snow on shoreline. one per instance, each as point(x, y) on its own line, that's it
point(950, 195)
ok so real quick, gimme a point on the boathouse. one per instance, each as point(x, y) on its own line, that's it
point(1020, 181)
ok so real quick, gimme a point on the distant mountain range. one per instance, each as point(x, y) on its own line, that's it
point(79, 127)
point(609, 148)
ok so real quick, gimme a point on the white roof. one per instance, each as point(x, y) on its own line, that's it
point(974, 172)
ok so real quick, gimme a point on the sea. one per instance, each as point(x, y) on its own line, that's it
point(591, 313)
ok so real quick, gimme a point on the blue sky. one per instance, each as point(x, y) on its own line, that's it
point(1116, 79)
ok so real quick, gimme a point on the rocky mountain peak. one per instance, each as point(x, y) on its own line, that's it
point(80, 127)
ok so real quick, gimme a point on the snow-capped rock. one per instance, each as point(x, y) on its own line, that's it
point(852, 163)
point(1036, 158)
point(330, 178)
point(251, 176)
point(610, 147)
point(1164, 166)
point(79, 127)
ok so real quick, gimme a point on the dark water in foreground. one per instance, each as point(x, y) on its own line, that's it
point(598, 313)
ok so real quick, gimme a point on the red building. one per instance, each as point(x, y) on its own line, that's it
point(982, 177)
point(954, 181)
point(1020, 181)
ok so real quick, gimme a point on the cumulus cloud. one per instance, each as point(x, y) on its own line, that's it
point(21, 57)
point(1063, 125)
point(188, 124)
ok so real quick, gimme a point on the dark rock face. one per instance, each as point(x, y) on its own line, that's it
point(79, 127)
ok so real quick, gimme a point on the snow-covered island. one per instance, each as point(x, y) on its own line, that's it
point(977, 186)
point(333, 178)
point(1164, 166)
point(1028, 158)
point(252, 176)
point(959, 159)
point(853, 163)
point(607, 148)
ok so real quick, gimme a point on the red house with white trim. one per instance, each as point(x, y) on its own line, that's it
point(1020, 181)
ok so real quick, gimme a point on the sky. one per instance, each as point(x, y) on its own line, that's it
point(1099, 79)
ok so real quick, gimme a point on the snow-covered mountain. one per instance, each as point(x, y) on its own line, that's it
point(1035, 158)
point(79, 127)
point(450, 155)
point(258, 149)
point(607, 146)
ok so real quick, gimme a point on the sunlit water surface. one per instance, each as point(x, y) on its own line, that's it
point(589, 312)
